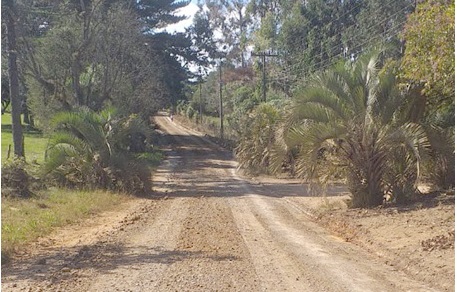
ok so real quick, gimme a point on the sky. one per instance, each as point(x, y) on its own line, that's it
point(188, 11)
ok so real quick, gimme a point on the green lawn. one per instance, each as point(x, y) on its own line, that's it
point(34, 142)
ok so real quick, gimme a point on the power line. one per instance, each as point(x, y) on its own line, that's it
point(326, 62)
point(369, 29)
point(287, 76)
point(264, 78)
point(392, 30)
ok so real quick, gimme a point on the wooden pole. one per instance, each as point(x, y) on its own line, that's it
point(264, 71)
point(221, 111)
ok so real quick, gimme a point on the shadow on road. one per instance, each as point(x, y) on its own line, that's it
point(202, 168)
point(101, 257)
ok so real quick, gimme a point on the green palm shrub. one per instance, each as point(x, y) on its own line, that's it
point(441, 133)
point(92, 150)
point(350, 119)
point(257, 139)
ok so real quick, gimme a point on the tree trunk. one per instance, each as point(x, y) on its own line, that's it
point(76, 83)
point(16, 108)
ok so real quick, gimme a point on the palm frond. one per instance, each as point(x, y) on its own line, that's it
point(84, 124)
point(311, 140)
point(59, 155)
point(60, 138)
point(90, 149)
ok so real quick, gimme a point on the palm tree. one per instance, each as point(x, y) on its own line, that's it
point(90, 149)
point(349, 118)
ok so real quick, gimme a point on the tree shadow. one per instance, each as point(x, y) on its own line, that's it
point(104, 258)
point(190, 156)
point(427, 201)
point(26, 129)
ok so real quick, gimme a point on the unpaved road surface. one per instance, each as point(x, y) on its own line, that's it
point(203, 229)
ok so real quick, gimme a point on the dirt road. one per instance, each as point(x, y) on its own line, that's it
point(205, 229)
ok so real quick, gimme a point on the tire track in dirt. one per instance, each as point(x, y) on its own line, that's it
point(290, 253)
point(147, 253)
point(221, 262)
point(305, 257)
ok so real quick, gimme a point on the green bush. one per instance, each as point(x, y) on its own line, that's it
point(92, 150)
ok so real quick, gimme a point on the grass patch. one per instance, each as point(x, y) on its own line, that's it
point(34, 142)
point(35, 147)
point(24, 220)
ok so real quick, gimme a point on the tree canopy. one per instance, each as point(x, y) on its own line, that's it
point(429, 57)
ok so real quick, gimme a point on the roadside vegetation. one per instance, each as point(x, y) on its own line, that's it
point(324, 101)
point(80, 81)
point(34, 201)
point(359, 91)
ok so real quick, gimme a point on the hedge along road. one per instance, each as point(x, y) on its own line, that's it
point(205, 229)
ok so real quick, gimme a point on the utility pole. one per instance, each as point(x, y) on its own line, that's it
point(221, 113)
point(201, 111)
point(264, 55)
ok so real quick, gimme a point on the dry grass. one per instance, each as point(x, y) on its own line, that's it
point(24, 220)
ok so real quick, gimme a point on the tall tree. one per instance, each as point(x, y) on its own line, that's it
point(379, 21)
point(230, 21)
point(203, 40)
point(102, 52)
point(10, 18)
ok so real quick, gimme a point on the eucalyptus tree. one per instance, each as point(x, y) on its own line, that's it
point(312, 35)
point(379, 21)
point(349, 119)
point(230, 22)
